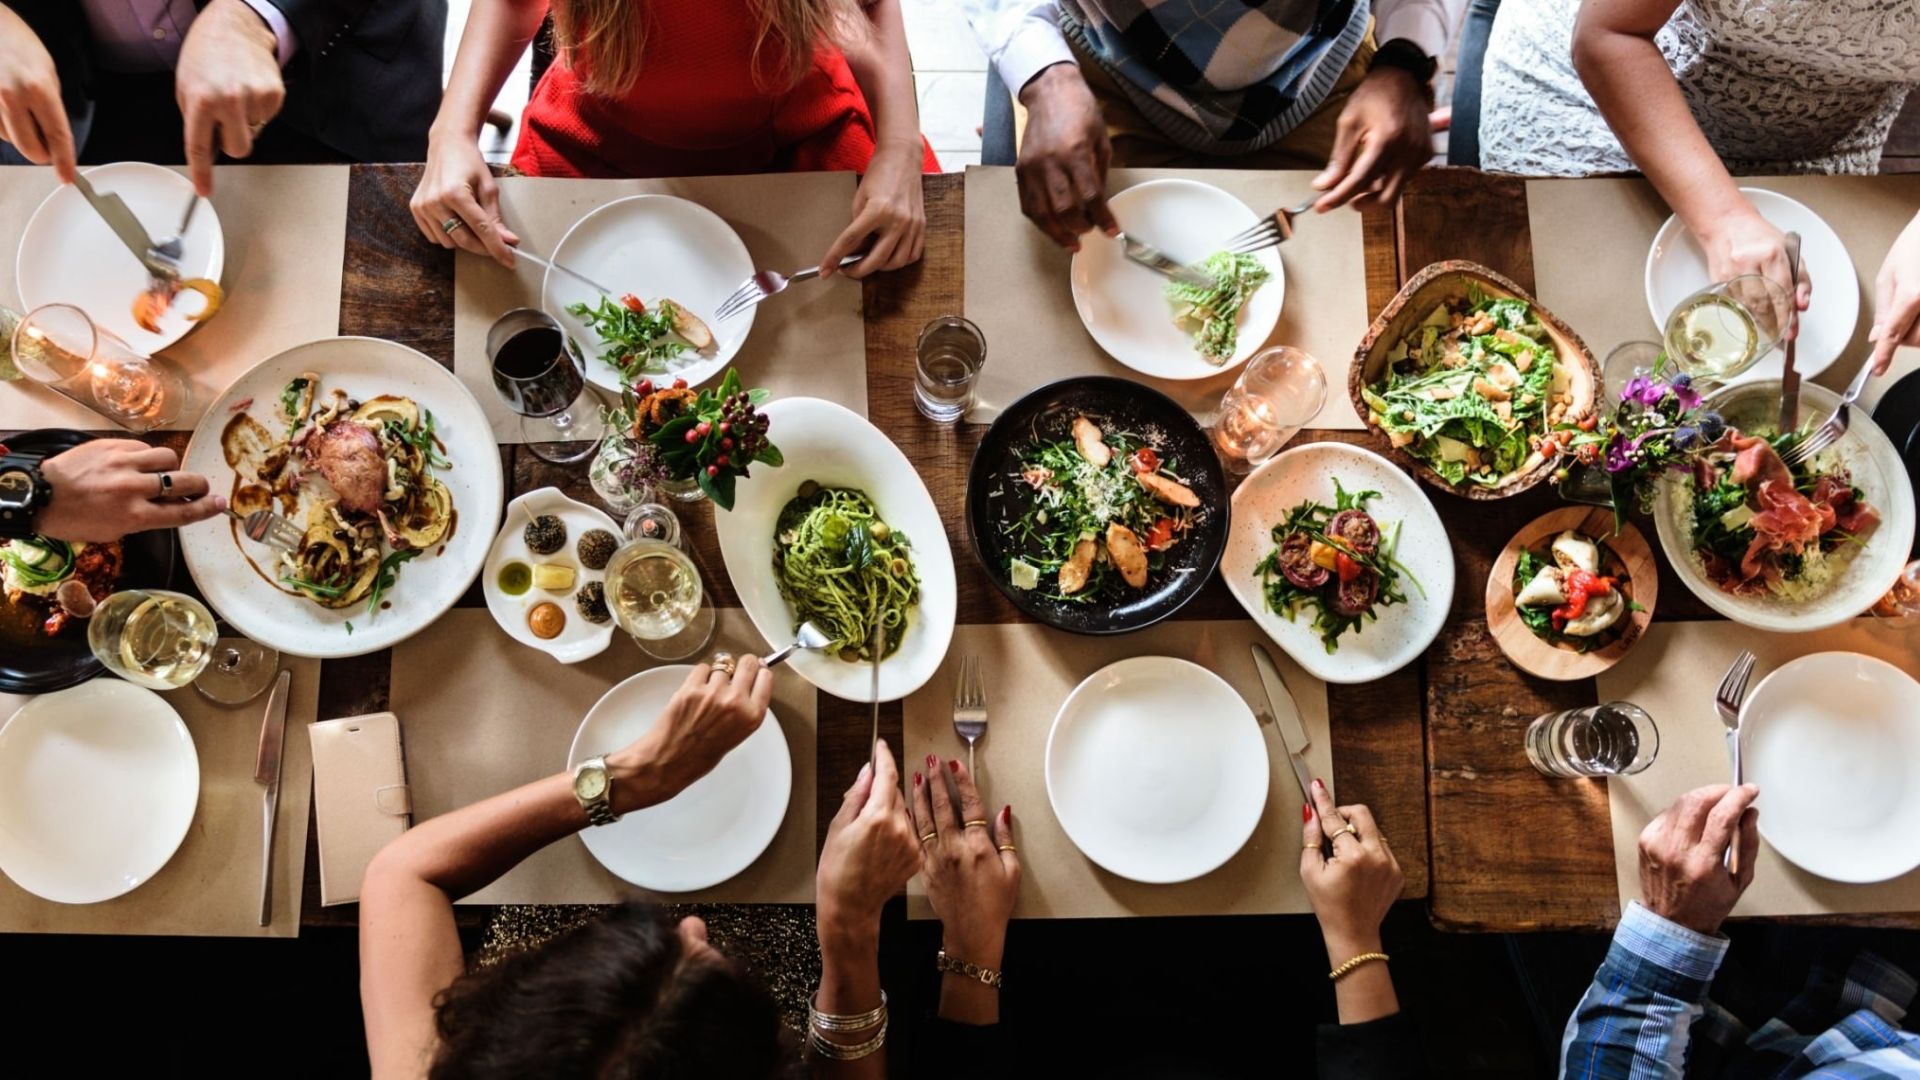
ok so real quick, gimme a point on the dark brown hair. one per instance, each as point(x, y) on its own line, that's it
point(617, 999)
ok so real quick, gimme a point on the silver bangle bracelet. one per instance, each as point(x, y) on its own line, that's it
point(851, 1022)
point(834, 1051)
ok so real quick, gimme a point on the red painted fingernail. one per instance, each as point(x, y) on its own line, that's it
point(1006, 812)
point(916, 779)
point(953, 765)
point(1317, 785)
point(1306, 809)
point(932, 761)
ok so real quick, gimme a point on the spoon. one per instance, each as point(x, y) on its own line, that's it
point(811, 638)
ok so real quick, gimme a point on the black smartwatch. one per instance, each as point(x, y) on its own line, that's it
point(23, 494)
point(1404, 54)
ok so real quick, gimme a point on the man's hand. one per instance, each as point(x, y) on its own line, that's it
point(1896, 299)
point(1062, 169)
point(104, 489)
point(31, 116)
point(228, 84)
point(1683, 877)
point(1382, 139)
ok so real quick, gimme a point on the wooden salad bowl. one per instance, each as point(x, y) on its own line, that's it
point(1428, 289)
point(1626, 553)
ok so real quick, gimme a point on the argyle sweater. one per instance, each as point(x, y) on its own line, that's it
point(1220, 77)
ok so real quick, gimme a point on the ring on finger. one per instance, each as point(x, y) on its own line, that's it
point(1006, 847)
point(166, 484)
point(724, 662)
point(976, 823)
point(1348, 830)
point(928, 835)
point(452, 225)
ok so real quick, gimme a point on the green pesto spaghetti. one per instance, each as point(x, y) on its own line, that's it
point(844, 569)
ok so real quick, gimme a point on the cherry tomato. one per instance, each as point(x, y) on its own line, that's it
point(1160, 535)
point(1345, 566)
point(1144, 460)
point(643, 388)
point(679, 384)
point(633, 304)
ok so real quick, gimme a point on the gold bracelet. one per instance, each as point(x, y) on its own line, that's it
point(949, 965)
point(1363, 958)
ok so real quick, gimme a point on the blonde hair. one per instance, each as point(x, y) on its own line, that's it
point(606, 39)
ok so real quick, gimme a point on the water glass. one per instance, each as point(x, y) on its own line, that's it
point(58, 346)
point(655, 593)
point(1279, 392)
point(947, 363)
point(538, 377)
point(1724, 329)
point(1614, 739)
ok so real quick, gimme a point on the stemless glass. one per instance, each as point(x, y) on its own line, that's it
point(58, 346)
point(537, 376)
point(153, 638)
point(1724, 329)
point(1614, 739)
point(947, 362)
point(1279, 392)
point(655, 593)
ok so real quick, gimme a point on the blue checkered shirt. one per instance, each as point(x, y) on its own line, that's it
point(1647, 1016)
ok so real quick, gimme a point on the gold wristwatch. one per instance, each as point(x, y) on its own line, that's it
point(594, 788)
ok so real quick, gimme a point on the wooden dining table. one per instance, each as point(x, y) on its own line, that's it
point(1436, 749)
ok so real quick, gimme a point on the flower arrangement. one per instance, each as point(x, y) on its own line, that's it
point(1657, 427)
point(710, 436)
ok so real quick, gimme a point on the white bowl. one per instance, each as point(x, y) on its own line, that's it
point(1402, 632)
point(1124, 304)
point(1156, 769)
point(1877, 471)
point(653, 246)
point(1833, 741)
point(835, 447)
point(98, 786)
point(579, 639)
point(709, 832)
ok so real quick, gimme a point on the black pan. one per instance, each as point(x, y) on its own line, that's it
point(996, 496)
point(40, 664)
point(1898, 414)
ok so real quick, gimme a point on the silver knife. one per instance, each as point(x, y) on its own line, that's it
point(266, 770)
point(1160, 263)
point(1789, 378)
point(876, 645)
point(1286, 718)
point(114, 212)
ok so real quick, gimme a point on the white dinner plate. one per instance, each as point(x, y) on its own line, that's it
point(233, 573)
point(68, 255)
point(836, 447)
point(653, 246)
point(98, 785)
point(1401, 632)
point(1677, 268)
point(1156, 770)
point(1833, 741)
point(579, 639)
point(1124, 304)
point(706, 834)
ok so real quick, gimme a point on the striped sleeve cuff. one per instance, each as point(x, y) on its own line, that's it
point(1663, 955)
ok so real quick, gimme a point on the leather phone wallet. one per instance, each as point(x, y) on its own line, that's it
point(360, 797)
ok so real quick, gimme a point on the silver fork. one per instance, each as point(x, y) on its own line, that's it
point(1726, 701)
point(1829, 433)
point(269, 528)
point(970, 705)
point(1270, 231)
point(764, 283)
point(170, 248)
point(1160, 262)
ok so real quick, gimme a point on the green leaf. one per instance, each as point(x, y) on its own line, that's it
point(760, 396)
point(771, 454)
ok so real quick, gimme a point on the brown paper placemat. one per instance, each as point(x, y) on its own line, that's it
point(1018, 293)
point(1590, 242)
point(211, 886)
point(286, 235)
point(480, 714)
point(1030, 670)
point(1672, 675)
point(811, 341)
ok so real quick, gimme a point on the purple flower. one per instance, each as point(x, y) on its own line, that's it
point(1684, 436)
point(1712, 426)
point(1636, 388)
point(1619, 455)
point(1686, 395)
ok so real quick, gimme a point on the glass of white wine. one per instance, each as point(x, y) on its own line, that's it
point(153, 638)
point(655, 593)
point(1724, 329)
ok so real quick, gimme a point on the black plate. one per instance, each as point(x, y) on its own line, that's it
point(1898, 414)
point(995, 495)
point(56, 663)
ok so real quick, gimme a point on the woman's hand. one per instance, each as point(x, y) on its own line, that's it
point(972, 874)
point(710, 714)
point(457, 187)
point(1746, 243)
point(888, 208)
point(104, 489)
point(32, 117)
point(869, 854)
point(1352, 891)
point(1896, 299)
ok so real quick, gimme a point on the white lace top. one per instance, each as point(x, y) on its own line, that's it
point(1778, 86)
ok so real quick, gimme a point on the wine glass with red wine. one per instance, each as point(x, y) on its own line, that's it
point(538, 377)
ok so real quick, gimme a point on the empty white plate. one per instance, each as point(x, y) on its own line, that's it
point(68, 255)
point(98, 785)
point(1833, 741)
point(653, 246)
point(1156, 770)
point(1124, 304)
point(1677, 268)
point(707, 833)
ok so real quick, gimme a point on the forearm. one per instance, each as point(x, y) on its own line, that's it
point(1636, 1015)
point(970, 1001)
point(1366, 992)
point(497, 32)
point(849, 984)
point(884, 71)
